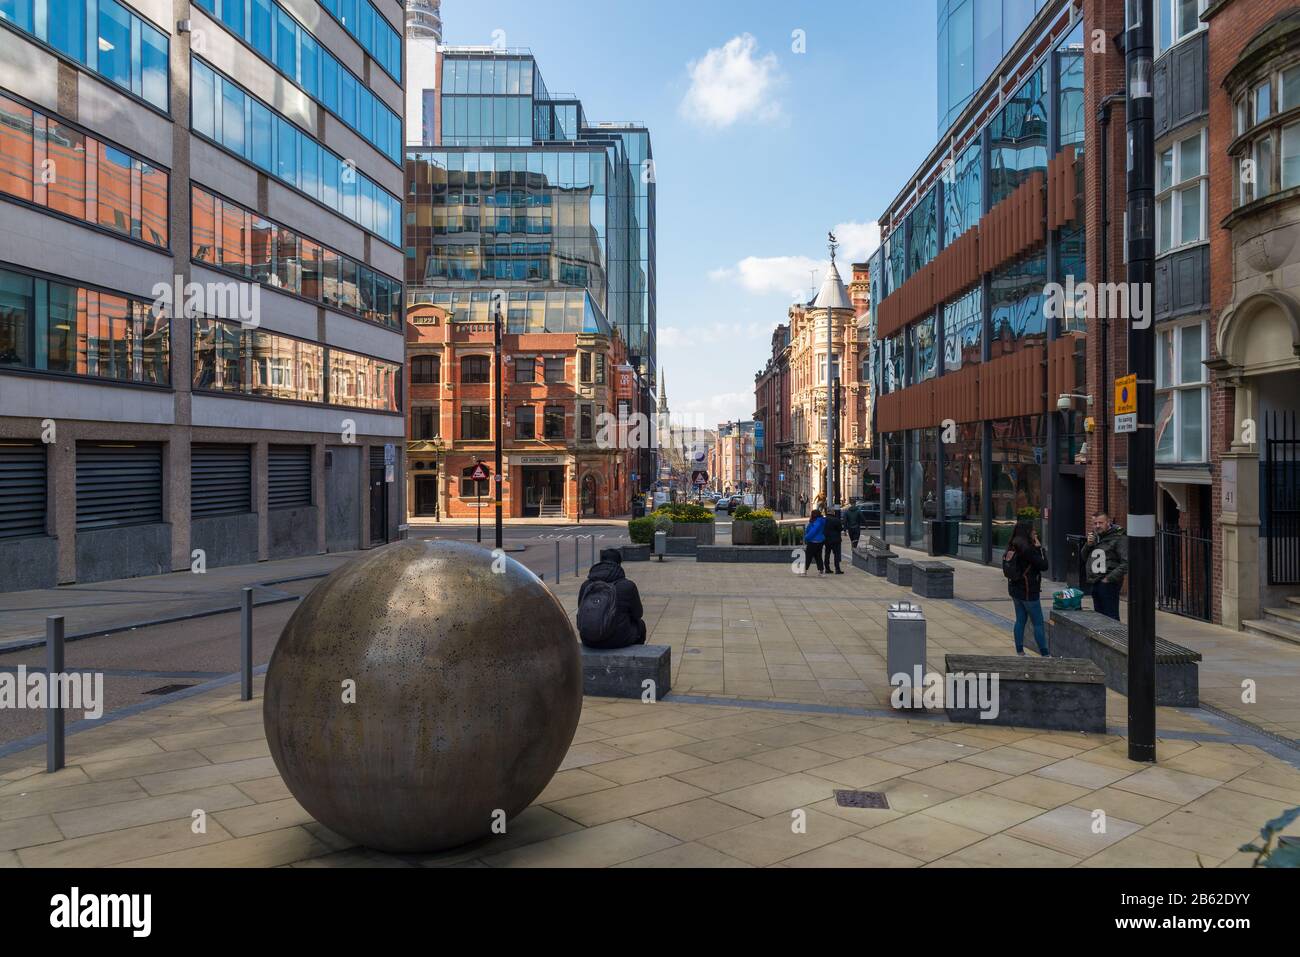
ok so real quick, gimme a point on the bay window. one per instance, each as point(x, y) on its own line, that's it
point(1182, 394)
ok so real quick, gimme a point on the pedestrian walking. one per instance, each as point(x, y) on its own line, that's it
point(853, 525)
point(803, 504)
point(814, 538)
point(1023, 565)
point(1106, 561)
point(834, 541)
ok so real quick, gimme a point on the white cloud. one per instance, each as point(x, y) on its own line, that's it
point(733, 83)
point(723, 407)
point(798, 276)
point(714, 333)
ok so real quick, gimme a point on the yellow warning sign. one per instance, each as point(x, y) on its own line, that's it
point(1126, 395)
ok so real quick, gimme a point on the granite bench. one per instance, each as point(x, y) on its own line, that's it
point(636, 553)
point(899, 570)
point(746, 554)
point(1056, 694)
point(932, 579)
point(683, 545)
point(1104, 641)
point(622, 672)
point(873, 561)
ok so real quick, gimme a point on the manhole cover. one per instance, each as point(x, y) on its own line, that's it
point(864, 799)
point(168, 689)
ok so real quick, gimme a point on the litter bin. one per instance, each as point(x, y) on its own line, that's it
point(661, 544)
point(936, 536)
point(905, 643)
point(638, 509)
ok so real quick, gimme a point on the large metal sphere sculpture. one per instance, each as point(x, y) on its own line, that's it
point(421, 692)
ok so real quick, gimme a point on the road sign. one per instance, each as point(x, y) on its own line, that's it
point(1126, 396)
point(699, 478)
point(480, 473)
point(1126, 424)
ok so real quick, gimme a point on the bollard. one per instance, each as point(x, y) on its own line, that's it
point(54, 707)
point(576, 558)
point(246, 645)
point(557, 561)
point(593, 549)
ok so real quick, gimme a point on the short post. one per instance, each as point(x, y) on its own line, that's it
point(557, 561)
point(577, 542)
point(53, 705)
point(246, 645)
point(593, 549)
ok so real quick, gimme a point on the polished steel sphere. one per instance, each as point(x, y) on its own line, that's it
point(420, 693)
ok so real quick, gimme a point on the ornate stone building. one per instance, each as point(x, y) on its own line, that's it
point(825, 343)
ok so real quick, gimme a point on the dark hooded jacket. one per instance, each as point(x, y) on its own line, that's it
point(834, 529)
point(628, 629)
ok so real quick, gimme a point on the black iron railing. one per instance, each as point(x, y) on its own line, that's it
point(1184, 573)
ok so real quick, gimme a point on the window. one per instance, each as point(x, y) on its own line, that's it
point(553, 370)
point(475, 370)
point(67, 26)
point(115, 43)
point(584, 423)
point(1182, 394)
point(114, 189)
point(474, 424)
point(553, 423)
point(584, 366)
point(526, 369)
point(1177, 20)
point(471, 489)
point(16, 145)
point(424, 423)
point(525, 422)
point(1181, 195)
point(426, 370)
point(600, 368)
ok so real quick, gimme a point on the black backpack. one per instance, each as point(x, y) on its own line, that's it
point(1011, 567)
point(598, 614)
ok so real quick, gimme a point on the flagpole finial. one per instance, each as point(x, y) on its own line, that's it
point(834, 245)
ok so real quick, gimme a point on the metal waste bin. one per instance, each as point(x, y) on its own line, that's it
point(905, 643)
point(661, 544)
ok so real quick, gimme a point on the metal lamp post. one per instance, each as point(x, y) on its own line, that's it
point(498, 399)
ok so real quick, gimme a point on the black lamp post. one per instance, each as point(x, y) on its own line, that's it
point(497, 401)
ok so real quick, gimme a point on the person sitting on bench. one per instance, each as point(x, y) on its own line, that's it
point(609, 605)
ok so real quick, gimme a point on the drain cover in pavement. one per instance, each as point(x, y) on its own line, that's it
point(865, 799)
point(167, 689)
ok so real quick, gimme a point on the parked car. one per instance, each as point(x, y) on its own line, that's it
point(722, 502)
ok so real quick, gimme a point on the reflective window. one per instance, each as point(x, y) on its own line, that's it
point(924, 354)
point(115, 43)
point(1019, 457)
point(381, 41)
point(1182, 394)
point(1016, 305)
point(114, 189)
point(237, 240)
point(1018, 139)
point(47, 325)
point(963, 331)
point(16, 149)
point(963, 194)
point(241, 361)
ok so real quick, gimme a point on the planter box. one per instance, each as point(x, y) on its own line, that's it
point(1055, 694)
point(636, 553)
point(704, 533)
point(742, 533)
point(745, 554)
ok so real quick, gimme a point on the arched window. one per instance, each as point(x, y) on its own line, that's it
point(475, 370)
point(426, 370)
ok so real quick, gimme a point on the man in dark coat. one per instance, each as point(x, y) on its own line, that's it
point(853, 525)
point(629, 625)
point(834, 541)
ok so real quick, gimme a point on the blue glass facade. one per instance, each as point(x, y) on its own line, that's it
point(522, 190)
point(974, 35)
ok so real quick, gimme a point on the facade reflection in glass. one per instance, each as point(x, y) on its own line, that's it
point(522, 190)
point(973, 37)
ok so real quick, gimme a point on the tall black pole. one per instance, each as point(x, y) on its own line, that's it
point(1139, 39)
point(497, 401)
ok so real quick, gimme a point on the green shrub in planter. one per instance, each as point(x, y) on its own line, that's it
point(743, 513)
point(755, 515)
point(641, 531)
point(662, 523)
point(685, 513)
point(765, 532)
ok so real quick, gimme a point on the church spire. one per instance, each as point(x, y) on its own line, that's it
point(663, 393)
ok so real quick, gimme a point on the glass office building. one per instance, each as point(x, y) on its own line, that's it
point(522, 192)
point(974, 35)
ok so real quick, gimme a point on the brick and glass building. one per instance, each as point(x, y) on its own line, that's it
point(772, 408)
point(525, 203)
point(200, 283)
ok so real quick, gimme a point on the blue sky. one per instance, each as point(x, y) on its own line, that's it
point(759, 149)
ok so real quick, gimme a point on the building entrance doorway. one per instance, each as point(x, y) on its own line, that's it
point(543, 492)
point(426, 496)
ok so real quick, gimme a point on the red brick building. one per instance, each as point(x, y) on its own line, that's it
point(772, 408)
point(560, 388)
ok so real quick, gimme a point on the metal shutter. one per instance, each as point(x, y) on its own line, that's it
point(288, 476)
point(118, 485)
point(22, 490)
point(221, 480)
point(376, 456)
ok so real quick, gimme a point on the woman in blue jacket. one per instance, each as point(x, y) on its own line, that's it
point(814, 537)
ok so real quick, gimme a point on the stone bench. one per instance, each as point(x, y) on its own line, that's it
point(873, 561)
point(932, 579)
point(621, 672)
point(636, 553)
point(1055, 694)
point(1104, 641)
point(682, 545)
point(899, 570)
point(746, 554)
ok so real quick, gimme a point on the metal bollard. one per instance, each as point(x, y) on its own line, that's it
point(54, 707)
point(593, 549)
point(246, 645)
point(557, 561)
point(576, 558)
